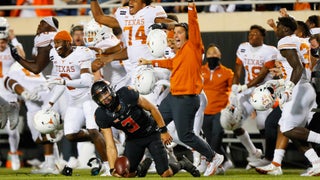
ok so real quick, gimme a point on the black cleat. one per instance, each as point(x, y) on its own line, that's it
point(67, 171)
point(143, 167)
point(187, 165)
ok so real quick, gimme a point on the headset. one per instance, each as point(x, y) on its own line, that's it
point(96, 170)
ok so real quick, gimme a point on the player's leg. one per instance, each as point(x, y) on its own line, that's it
point(134, 151)
point(48, 166)
point(97, 138)
point(14, 139)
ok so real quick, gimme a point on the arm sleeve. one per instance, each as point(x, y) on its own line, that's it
point(86, 80)
point(56, 92)
point(194, 29)
point(163, 63)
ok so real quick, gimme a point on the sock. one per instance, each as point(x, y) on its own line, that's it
point(14, 138)
point(278, 156)
point(49, 159)
point(247, 143)
point(175, 167)
point(313, 137)
point(312, 156)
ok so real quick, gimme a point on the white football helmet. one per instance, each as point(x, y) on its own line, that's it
point(47, 121)
point(90, 30)
point(4, 28)
point(145, 81)
point(157, 42)
point(231, 117)
point(262, 98)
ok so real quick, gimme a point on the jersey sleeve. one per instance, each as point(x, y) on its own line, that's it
point(159, 12)
point(241, 51)
point(288, 42)
point(102, 119)
point(86, 58)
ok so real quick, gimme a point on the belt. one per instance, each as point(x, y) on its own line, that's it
point(186, 96)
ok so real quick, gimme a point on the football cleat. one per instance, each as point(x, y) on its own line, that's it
point(213, 165)
point(189, 167)
point(270, 169)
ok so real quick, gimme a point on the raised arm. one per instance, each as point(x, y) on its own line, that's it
point(100, 17)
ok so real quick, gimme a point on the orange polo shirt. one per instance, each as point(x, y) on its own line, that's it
point(217, 86)
point(186, 65)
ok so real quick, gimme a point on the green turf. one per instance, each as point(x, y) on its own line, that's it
point(238, 174)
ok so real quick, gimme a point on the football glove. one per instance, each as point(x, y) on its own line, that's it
point(286, 95)
point(26, 95)
point(14, 52)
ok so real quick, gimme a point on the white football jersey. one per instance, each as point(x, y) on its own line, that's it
point(135, 29)
point(70, 67)
point(302, 48)
point(6, 61)
point(254, 58)
point(30, 81)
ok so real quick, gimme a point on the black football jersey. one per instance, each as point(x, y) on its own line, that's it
point(131, 118)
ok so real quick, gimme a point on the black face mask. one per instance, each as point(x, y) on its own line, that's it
point(315, 52)
point(213, 62)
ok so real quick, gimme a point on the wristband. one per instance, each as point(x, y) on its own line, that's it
point(163, 129)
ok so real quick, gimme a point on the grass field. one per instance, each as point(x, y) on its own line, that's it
point(239, 174)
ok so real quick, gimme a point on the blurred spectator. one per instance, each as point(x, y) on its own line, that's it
point(277, 7)
point(67, 12)
point(221, 8)
point(33, 12)
point(299, 6)
point(5, 3)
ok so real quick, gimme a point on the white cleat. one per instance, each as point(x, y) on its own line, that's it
point(15, 161)
point(255, 156)
point(227, 165)
point(312, 171)
point(259, 163)
point(213, 165)
point(46, 169)
point(270, 169)
point(203, 165)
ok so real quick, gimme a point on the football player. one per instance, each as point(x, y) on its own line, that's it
point(275, 140)
point(256, 58)
point(31, 88)
point(9, 106)
point(298, 98)
point(72, 72)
